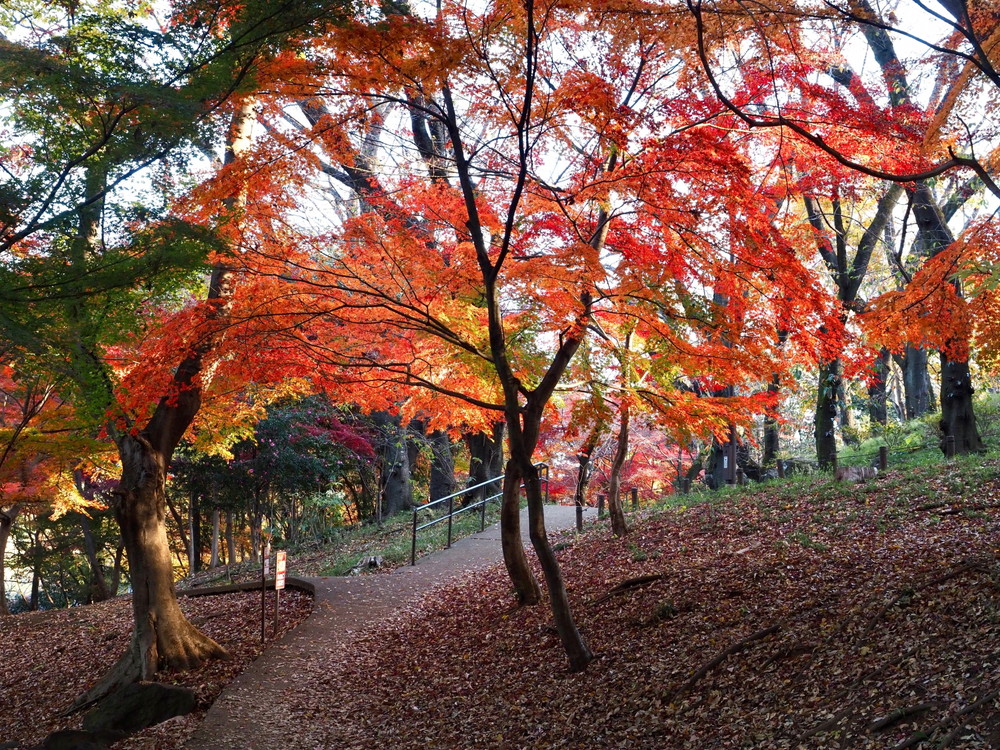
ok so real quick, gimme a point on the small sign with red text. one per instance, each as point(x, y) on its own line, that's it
point(279, 569)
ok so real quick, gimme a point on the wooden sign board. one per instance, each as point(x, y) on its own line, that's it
point(279, 570)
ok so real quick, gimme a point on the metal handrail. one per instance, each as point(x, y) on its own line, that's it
point(450, 499)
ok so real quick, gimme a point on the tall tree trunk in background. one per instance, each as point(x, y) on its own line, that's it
point(442, 481)
point(878, 390)
point(230, 540)
point(618, 526)
point(36, 570)
point(583, 472)
point(7, 518)
point(194, 518)
point(846, 413)
point(100, 584)
point(958, 418)
point(916, 382)
point(485, 459)
point(717, 470)
point(771, 442)
point(826, 413)
point(394, 481)
point(214, 560)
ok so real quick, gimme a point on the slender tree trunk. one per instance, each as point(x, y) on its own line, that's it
point(826, 413)
point(525, 586)
point(36, 570)
point(772, 441)
point(230, 540)
point(100, 585)
point(957, 417)
point(618, 526)
point(772, 436)
point(194, 514)
point(7, 519)
point(878, 392)
point(576, 649)
point(116, 571)
point(583, 473)
point(214, 561)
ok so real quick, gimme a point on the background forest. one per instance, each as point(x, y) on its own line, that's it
point(280, 269)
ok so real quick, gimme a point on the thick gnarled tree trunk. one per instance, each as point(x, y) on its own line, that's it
point(957, 417)
point(162, 636)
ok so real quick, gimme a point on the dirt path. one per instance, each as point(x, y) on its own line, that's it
point(260, 710)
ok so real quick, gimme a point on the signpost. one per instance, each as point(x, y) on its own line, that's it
point(279, 583)
point(265, 554)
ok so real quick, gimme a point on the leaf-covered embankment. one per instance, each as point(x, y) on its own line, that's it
point(50, 658)
point(810, 615)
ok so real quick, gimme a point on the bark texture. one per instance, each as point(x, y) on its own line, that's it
point(162, 636)
point(826, 413)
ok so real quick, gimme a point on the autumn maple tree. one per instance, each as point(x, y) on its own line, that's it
point(490, 209)
point(98, 95)
point(874, 123)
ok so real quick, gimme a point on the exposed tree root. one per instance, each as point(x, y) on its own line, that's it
point(627, 585)
point(735, 648)
point(920, 736)
point(974, 565)
point(124, 672)
point(826, 725)
point(899, 714)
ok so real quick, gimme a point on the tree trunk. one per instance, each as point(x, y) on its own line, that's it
point(618, 526)
point(162, 637)
point(394, 483)
point(36, 570)
point(576, 649)
point(826, 413)
point(485, 459)
point(772, 435)
point(116, 571)
point(584, 471)
point(7, 518)
point(916, 382)
point(442, 482)
point(525, 586)
point(230, 540)
point(100, 585)
point(194, 521)
point(214, 560)
point(771, 442)
point(957, 417)
point(878, 393)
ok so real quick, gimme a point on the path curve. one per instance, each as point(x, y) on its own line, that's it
point(258, 710)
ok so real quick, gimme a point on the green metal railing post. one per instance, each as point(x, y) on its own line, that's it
point(450, 516)
point(413, 544)
point(482, 513)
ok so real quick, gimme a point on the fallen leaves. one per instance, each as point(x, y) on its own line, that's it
point(50, 658)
